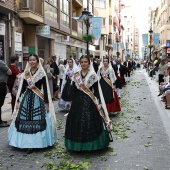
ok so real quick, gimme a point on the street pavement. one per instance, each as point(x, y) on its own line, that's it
point(141, 133)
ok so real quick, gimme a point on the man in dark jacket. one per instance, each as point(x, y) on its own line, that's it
point(95, 65)
point(119, 72)
point(56, 71)
point(128, 67)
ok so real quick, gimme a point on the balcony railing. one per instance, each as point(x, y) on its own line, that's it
point(32, 5)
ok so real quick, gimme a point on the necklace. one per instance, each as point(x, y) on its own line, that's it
point(33, 72)
point(83, 76)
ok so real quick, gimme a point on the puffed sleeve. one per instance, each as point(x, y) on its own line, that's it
point(45, 90)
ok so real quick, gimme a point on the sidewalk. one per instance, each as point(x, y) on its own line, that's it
point(6, 108)
point(153, 84)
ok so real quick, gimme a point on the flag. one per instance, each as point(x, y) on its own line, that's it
point(96, 26)
point(145, 39)
point(156, 38)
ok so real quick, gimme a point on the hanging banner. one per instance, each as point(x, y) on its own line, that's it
point(125, 53)
point(142, 50)
point(122, 46)
point(130, 53)
point(114, 46)
point(145, 39)
point(96, 26)
point(156, 38)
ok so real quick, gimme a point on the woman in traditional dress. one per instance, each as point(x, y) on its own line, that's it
point(107, 80)
point(34, 121)
point(65, 100)
point(87, 125)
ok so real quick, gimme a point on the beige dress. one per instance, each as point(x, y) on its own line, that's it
point(49, 71)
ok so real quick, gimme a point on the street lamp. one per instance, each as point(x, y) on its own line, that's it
point(150, 41)
point(87, 16)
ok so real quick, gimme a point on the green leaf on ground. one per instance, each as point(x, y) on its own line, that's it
point(103, 158)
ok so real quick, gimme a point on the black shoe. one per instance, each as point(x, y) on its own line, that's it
point(2, 124)
point(159, 94)
point(29, 151)
point(4, 121)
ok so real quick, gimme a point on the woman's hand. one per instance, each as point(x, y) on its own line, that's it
point(47, 107)
point(99, 106)
point(114, 88)
point(54, 77)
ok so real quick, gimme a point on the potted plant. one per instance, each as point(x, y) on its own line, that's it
point(150, 46)
point(88, 37)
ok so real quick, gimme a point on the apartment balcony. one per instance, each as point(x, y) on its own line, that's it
point(77, 3)
point(31, 11)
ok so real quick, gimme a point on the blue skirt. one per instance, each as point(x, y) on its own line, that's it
point(40, 139)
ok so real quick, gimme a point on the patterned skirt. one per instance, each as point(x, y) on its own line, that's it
point(32, 127)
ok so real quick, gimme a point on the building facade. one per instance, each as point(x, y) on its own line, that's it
point(7, 21)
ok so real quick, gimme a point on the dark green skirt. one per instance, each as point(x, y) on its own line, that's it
point(100, 143)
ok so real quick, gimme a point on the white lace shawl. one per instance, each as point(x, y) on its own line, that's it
point(90, 79)
point(68, 70)
point(109, 71)
point(36, 77)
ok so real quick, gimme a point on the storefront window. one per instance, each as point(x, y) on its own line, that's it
point(51, 10)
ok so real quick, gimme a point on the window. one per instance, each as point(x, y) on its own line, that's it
point(110, 20)
point(51, 10)
point(100, 3)
point(103, 22)
point(65, 12)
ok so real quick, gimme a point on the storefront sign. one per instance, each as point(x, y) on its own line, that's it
point(25, 57)
point(31, 49)
point(2, 29)
point(43, 30)
point(25, 49)
point(65, 38)
point(18, 37)
point(18, 46)
point(2, 55)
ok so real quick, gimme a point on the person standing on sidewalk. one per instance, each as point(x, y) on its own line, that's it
point(128, 67)
point(4, 72)
point(15, 74)
point(34, 120)
point(61, 71)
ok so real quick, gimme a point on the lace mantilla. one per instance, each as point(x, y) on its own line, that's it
point(37, 76)
point(89, 80)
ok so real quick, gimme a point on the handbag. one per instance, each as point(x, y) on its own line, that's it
point(15, 86)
